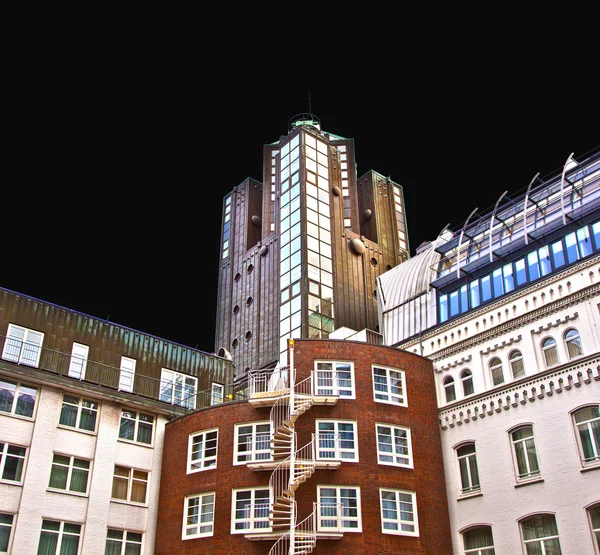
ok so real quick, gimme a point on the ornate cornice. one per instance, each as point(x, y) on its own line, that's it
point(454, 364)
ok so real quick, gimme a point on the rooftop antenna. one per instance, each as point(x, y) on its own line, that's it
point(309, 106)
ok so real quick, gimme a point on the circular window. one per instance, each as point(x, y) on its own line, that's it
point(388, 267)
point(234, 343)
point(236, 309)
point(248, 335)
point(249, 301)
point(237, 276)
point(374, 261)
point(250, 267)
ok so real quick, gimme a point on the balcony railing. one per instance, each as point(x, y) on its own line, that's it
point(24, 353)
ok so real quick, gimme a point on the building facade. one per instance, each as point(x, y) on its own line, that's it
point(338, 452)
point(83, 409)
point(507, 308)
point(301, 251)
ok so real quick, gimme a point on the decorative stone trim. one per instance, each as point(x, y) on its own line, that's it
point(454, 364)
point(511, 397)
point(511, 341)
point(558, 322)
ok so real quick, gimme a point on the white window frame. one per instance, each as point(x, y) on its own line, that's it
point(70, 467)
point(17, 392)
point(125, 415)
point(205, 462)
point(124, 540)
point(60, 533)
point(594, 531)
point(334, 442)
point(525, 444)
point(331, 509)
point(173, 382)
point(545, 349)
point(541, 540)
point(80, 409)
point(471, 489)
point(393, 453)
point(252, 507)
point(497, 368)
point(399, 522)
point(216, 393)
point(386, 395)
point(78, 362)
point(205, 500)
point(11, 528)
point(514, 358)
point(464, 378)
point(26, 343)
point(449, 389)
point(127, 374)
point(4, 455)
point(482, 550)
point(587, 424)
point(343, 391)
point(576, 340)
point(262, 439)
point(130, 481)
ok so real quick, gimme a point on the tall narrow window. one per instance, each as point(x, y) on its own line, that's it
point(59, 538)
point(78, 363)
point(587, 423)
point(573, 343)
point(393, 445)
point(515, 360)
point(550, 352)
point(479, 541)
point(496, 370)
point(199, 515)
point(23, 346)
point(6, 526)
point(216, 394)
point(526, 461)
point(202, 450)
point(540, 535)
point(17, 398)
point(594, 516)
point(466, 377)
point(388, 386)
point(467, 463)
point(449, 389)
point(127, 374)
point(398, 512)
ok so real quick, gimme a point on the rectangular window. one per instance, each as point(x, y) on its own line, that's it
point(69, 474)
point(136, 426)
point(454, 308)
point(6, 525)
point(498, 282)
point(127, 374)
point(339, 508)
point(474, 289)
point(78, 363)
point(252, 442)
point(544, 256)
point(178, 389)
point(533, 265)
point(388, 386)
point(399, 512)
point(202, 450)
point(558, 254)
point(12, 460)
point(216, 397)
point(571, 244)
point(393, 445)
point(250, 510)
point(78, 413)
point(469, 475)
point(337, 440)
point(130, 485)
point(335, 378)
point(520, 271)
point(17, 398)
point(594, 518)
point(59, 538)
point(443, 307)
point(198, 516)
point(509, 280)
point(526, 462)
point(584, 241)
point(23, 346)
point(486, 289)
point(123, 542)
point(540, 535)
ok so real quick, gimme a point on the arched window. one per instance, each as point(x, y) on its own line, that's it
point(479, 541)
point(550, 352)
point(496, 370)
point(467, 464)
point(573, 343)
point(587, 424)
point(466, 377)
point(594, 516)
point(540, 534)
point(526, 461)
point(449, 389)
point(516, 364)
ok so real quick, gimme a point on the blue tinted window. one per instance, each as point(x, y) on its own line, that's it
point(584, 241)
point(545, 266)
point(559, 254)
point(509, 280)
point(571, 243)
point(596, 232)
point(532, 264)
point(474, 287)
point(486, 289)
point(443, 303)
point(497, 278)
point(454, 303)
point(464, 301)
point(520, 268)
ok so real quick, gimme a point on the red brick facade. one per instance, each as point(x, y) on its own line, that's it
point(426, 478)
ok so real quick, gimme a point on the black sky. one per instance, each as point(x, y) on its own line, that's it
point(111, 201)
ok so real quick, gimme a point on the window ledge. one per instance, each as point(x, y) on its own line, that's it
point(72, 429)
point(65, 492)
point(10, 483)
point(138, 443)
point(535, 480)
point(19, 416)
point(469, 495)
point(130, 503)
point(595, 466)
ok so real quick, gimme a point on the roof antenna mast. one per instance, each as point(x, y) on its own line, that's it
point(309, 106)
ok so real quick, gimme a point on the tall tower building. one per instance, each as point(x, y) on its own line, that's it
point(301, 251)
